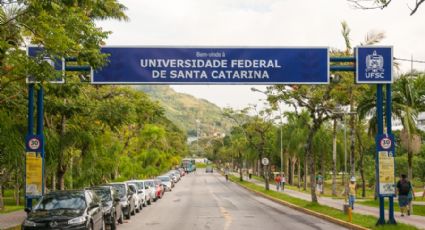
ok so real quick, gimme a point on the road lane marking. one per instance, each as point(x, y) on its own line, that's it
point(227, 217)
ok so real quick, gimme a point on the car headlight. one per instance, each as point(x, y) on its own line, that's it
point(123, 204)
point(29, 223)
point(106, 209)
point(78, 220)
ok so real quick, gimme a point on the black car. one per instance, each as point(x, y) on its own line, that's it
point(73, 209)
point(127, 199)
point(111, 206)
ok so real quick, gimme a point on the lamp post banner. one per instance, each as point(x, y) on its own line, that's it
point(181, 65)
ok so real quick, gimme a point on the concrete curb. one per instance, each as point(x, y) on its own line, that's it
point(307, 211)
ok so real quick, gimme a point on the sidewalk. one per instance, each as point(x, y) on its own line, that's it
point(417, 221)
point(12, 219)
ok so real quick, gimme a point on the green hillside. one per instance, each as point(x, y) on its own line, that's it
point(184, 110)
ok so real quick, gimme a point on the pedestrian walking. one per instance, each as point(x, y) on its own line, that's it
point(226, 173)
point(352, 189)
point(250, 173)
point(410, 198)
point(319, 183)
point(404, 187)
point(283, 181)
point(277, 180)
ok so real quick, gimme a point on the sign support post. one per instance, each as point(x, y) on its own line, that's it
point(28, 202)
point(388, 107)
point(40, 116)
point(380, 117)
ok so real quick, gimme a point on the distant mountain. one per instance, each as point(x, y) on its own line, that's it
point(184, 109)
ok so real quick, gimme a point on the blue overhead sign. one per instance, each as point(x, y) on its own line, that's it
point(161, 65)
point(374, 64)
point(57, 63)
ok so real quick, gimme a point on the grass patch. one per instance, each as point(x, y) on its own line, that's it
point(417, 209)
point(362, 220)
point(10, 208)
point(200, 165)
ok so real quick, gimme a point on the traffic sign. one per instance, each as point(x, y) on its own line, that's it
point(374, 64)
point(385, 143)
point(34, 143)
point(265, 161)
point(214, 65)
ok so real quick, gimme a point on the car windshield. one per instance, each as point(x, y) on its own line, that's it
point(150, 183)
point(103, 194)
point(120, 188)
point(164, 178)
point(62, 201)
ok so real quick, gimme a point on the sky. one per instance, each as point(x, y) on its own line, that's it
point(271, 23)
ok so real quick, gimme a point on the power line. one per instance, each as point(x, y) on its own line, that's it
point(409, 60)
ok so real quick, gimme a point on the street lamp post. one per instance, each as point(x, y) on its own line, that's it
point(281, 135)
point(345, 146)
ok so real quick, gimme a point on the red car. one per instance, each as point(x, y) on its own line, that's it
point(159, 188)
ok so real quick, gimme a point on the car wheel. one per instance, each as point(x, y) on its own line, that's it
point(133, 212)
point(149, 202)
point(144, 203)
point(137, 208)
point(114, 223)
point(102, 227)
point(121, 219)
point(128, 216)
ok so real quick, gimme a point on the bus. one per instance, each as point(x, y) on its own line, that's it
point(189, 164)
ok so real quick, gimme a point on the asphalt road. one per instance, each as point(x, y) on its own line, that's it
point(207, 201)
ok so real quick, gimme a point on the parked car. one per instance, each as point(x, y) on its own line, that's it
point(151, 188)
point(111, 206)
point(159, 188)
point(167, 182)
point(137, 195)
point(177, 174)
point(69, 209)
point(141, 192)
point(209, 169)
point(127, 198)
point(173, 177)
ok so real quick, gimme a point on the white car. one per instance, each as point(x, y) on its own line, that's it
point(151, 189)
point(167, 182)
point(144, 196)
point(140, 195)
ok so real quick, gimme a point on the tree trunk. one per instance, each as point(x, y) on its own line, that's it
point(17, 194)
point(334, 193)
point(1, 197)
point(291, 178)
point(322, 170)
point(361, 163)
point(312, 161)
point(53, 181)
point(61, 177)
point(305, 171)
point(299, 173)
point(409, 164)
point(352, 142)
point(287, 159)
point(240, 166)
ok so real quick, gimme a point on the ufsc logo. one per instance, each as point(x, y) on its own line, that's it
point(374, 66)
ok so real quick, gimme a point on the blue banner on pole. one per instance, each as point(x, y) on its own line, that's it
point(149, 65)
point(374, 64)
